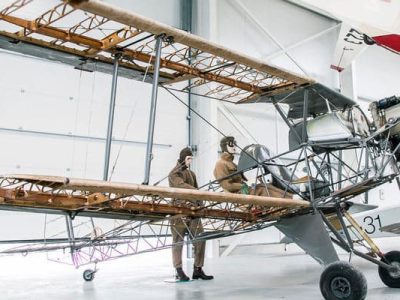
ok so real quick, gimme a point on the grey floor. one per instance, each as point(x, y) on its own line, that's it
point(245, 276)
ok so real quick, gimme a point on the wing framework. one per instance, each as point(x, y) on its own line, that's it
point(133, 201)
point(88, 32)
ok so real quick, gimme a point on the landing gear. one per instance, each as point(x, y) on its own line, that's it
point(340, 280)
point(391, 277)
point(88, 275)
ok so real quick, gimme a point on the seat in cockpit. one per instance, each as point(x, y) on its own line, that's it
point(256, 155)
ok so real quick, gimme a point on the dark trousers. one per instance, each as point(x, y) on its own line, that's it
point(191, 227)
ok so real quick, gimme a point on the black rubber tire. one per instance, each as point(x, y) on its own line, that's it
point(88, 275)
point(341, 281)
point(391, 279)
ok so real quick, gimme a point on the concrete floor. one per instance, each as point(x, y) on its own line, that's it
point(256, 276)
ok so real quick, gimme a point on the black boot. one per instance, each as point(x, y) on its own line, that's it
point(180, 275)
point(198, 273)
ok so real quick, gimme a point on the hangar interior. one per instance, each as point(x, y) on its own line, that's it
point(54, 122)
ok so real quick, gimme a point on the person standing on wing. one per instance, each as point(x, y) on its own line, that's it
point(182, 177)
point(237, 183)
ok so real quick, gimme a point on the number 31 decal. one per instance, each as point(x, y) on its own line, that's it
point(371, 225)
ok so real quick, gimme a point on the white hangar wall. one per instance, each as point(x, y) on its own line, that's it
point(377, 74)
point(54, 121)
point(260, 29)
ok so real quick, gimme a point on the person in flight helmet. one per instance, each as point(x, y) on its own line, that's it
point(237, 183)
point(182, 177)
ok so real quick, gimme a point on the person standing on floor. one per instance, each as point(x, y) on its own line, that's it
point(182, 177)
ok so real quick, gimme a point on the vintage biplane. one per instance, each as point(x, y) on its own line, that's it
point(324, 128)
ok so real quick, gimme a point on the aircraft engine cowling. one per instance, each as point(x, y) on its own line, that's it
point(386, 112)
point(333, 130)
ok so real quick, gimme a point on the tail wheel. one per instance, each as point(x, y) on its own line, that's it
point(391, 277)
point(341, 281)
point(88, 275)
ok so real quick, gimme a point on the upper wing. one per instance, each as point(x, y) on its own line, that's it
point(222, 73)
point(319, 97)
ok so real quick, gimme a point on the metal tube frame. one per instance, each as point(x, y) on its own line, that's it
point(341, 242)
point(71, 237)
point(111, 116)
point(345, 246)
point(153, 108)
point(187, 17)
point(344, 227)
point(285, 119)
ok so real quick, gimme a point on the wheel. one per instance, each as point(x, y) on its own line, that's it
point(340, 280)
point(88, 275)
point(391, 278)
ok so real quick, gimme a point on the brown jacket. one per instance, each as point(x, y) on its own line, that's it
point(181, 177)
point(224, 167)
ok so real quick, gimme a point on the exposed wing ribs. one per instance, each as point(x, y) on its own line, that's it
point(98, 31)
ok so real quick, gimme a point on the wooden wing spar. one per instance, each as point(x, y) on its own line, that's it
point(112, 199)
point(91, 35)
point(103, 31)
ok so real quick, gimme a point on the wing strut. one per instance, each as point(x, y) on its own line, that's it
point(153, 108)
point(111, 117)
